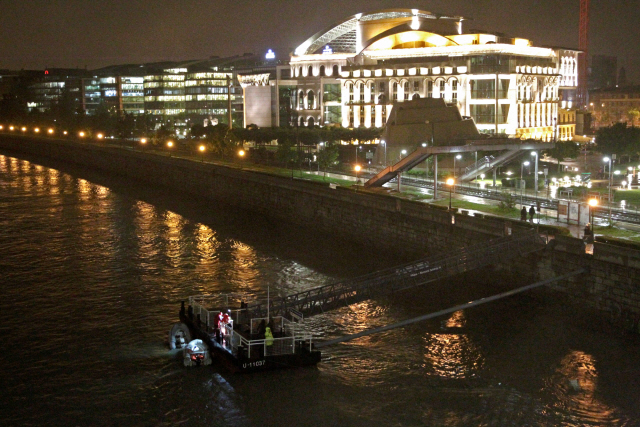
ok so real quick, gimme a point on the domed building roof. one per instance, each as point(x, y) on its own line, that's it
point(360, 31)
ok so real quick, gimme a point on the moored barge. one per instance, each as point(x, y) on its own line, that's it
point(241, 340)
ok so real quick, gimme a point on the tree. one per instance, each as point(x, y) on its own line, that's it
point(618, 139)
point(563, 150)
point(327, 156)
point(633, 115)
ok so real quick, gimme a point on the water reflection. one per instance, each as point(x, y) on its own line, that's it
point(453, 354)
point(574, 384)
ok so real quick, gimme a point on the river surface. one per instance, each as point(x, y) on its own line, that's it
point(93, 269)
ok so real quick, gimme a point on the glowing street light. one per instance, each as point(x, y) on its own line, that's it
point(11, 128)
point(143, 141)
point(81, 134)
point(201, 148)
point(50, 131)
point(100, 136)
point(24, 129)
point(459, 156)
point(170, 144)
point(37, 130)
point(450, 183)
point(241, 153)
point(357, 168)
point(1, 127)
point(65, 132)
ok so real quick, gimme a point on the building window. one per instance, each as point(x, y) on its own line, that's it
point(331, 93)
point(483, 114)
point(442, 88)
point(351, 117)
point(322, 71)
point(454, 90)
point(301, 99)
point(406, 90)
point(416, 86)
point(361, 92)
point(310, 100)
point(350, 93)
point(336, 70)
point(395, 91)
point(429, 88)
point(483, 89)
point(310, 71)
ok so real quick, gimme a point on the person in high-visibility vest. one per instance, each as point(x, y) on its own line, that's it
point(268, 336)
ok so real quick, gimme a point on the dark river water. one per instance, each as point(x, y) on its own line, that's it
point(93, 269)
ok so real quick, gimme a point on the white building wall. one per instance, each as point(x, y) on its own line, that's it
point(257, 106)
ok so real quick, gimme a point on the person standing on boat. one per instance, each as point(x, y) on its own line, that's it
point(268, 337)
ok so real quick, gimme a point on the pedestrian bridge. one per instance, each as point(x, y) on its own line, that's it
point(417, 273)
point(511, 148)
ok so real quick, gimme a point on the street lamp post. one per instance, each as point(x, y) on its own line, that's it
point(384, 144)
point(608, 159)
point(592, 206)
point(357, 169)
point(535, 153)
point(521, 172)
point(458, 156)
point(450, 183)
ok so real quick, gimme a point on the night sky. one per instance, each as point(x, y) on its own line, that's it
point(95, 33)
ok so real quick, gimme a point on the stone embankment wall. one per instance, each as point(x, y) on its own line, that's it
point(611, 282)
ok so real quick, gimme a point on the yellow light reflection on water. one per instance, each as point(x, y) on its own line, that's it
point(452, 354)
point(575, 386)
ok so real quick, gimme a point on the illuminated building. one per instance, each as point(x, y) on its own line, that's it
point(56, 86)
point(352, 72)
point(615, 105)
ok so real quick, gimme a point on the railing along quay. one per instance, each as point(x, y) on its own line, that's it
point(403, 277)
point(600, 212)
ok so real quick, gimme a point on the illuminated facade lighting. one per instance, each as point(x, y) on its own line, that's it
point(514, 89)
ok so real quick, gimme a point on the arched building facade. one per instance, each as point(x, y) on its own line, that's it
point(351, 72)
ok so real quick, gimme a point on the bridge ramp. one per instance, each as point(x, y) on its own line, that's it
point(417, 273)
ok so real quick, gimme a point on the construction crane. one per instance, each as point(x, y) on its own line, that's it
point(583, 58)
